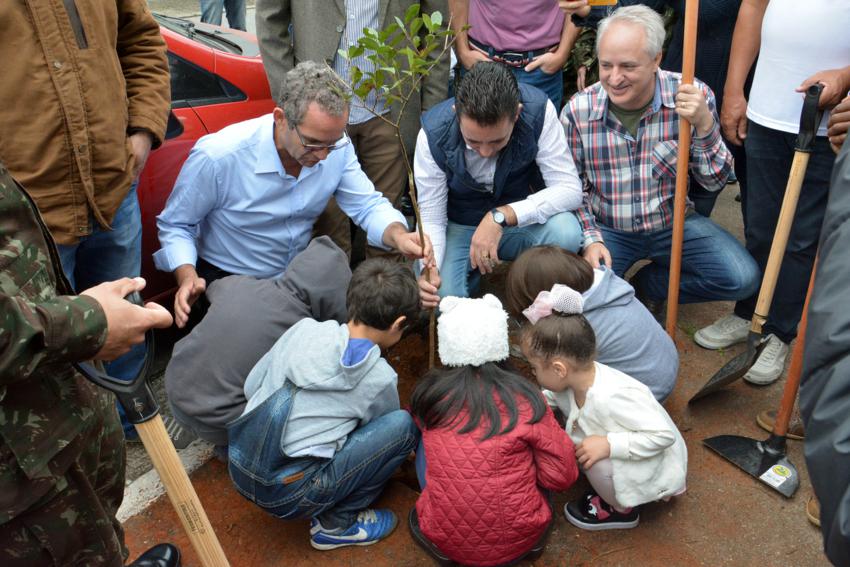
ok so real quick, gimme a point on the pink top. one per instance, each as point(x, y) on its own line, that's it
point(516, 25)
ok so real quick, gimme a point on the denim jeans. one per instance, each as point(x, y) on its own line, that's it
point(211, 12)
point(107, 255)
point(458, 278)
point(769, 156)
point(715, 267)
point(333, 490)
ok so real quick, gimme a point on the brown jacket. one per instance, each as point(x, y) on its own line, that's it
point(77, 74)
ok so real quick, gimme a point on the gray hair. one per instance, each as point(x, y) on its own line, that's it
point(643, 16)
point(311, 82)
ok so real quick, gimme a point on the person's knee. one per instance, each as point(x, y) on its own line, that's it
point(403, 427)
point(562, 230)
point(743, 276)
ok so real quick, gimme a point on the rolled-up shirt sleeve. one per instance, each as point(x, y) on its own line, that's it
point(563, 191)
point(194, 196)
point(368, 208)
point(432, 194)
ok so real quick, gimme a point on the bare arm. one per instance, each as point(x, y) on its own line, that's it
point(745, 46)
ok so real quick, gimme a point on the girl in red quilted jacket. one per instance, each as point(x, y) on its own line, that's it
point(491, 448)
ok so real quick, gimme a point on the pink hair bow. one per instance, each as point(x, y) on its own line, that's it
point(542, 307)
point(561, 298)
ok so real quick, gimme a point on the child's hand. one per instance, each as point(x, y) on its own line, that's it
point(593, 449)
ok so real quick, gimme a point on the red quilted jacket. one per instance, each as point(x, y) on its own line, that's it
point(482, 503)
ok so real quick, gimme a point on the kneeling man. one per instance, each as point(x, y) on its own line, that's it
point(623, 132)
point(247, 197)
point(494, 177)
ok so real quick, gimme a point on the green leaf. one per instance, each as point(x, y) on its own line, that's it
point(411, 13)
point(343, 53)
point(426, 19)
point(390, 70)
point(415, 26)
point(356, 51)
point(437, 19)
point(399, 22)
point(356, 75)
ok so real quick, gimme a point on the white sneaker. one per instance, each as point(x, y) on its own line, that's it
point(724, 332)
point(769, 366)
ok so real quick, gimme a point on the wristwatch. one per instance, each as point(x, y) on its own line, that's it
point(499, 218)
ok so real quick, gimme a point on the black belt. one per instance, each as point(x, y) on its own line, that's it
point(512, 58)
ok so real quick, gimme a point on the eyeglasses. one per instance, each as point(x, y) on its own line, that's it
point(342, 142)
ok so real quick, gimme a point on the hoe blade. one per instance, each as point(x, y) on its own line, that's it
point(757, 459)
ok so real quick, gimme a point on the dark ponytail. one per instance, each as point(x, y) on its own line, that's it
point(443, 393)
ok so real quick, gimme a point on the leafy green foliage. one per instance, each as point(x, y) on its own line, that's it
point(403, 54)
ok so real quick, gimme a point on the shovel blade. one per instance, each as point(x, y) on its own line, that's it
point(755, 458)
point(732, 370)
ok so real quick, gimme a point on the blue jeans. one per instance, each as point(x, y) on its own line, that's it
point(104, 256)
point(458, 278)
point(769, 156)
point(211, 12)
point(715, 267)
point(333, 490)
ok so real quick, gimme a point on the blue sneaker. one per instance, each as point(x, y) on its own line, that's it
point(370, 527)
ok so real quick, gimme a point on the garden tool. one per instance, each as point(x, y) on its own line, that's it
point(683, 159)
point(143, 412)
point(756, 341)
point(766, 460)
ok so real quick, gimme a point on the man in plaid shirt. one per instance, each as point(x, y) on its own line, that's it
point(623, 134)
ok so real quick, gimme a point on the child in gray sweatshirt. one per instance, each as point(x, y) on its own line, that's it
point(322, 431)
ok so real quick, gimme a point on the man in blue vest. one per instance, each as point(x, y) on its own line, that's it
point(494, 177)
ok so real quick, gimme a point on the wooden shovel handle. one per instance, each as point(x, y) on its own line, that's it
point(780, 239)
point(181, 493)
point(682, 166)
point(795, 369)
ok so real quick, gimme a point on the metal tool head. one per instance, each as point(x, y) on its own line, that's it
point(765, 460)
point(735, 368)
point(135, 395)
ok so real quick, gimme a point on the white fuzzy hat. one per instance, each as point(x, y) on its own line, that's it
point(472, 331)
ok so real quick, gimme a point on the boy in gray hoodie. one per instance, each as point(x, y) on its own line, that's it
point(322, 431)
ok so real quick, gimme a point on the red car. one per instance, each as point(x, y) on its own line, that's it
point(217, 79)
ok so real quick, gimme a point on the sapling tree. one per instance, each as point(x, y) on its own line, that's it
point(402, 55)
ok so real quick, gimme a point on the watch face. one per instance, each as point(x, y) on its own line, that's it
point(499, 217)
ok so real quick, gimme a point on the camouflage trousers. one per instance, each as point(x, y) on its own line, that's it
point(74, 523)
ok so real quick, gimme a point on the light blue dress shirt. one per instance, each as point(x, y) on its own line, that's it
point(235, 206)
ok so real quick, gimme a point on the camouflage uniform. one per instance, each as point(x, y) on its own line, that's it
point(61, 445)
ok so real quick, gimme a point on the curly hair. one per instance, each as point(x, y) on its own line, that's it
point(311, 82)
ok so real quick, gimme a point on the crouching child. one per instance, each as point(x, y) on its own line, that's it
point(322, 431)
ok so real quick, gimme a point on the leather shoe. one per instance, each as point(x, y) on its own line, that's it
point(162, 555)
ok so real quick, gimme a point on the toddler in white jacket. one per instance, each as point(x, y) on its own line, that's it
point(626, 443)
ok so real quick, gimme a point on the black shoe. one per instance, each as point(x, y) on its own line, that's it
point(592, 513)
point(656, 307)
point(162, 555)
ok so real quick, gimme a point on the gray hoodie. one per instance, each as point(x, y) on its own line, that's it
point(628, 337)
point(333, 399)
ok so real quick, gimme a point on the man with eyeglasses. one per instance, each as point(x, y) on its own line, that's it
point(245, 203)
point(247, 197)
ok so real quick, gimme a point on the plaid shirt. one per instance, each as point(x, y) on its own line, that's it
point(629, 183)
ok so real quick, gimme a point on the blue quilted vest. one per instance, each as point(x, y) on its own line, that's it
point(517, 174)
